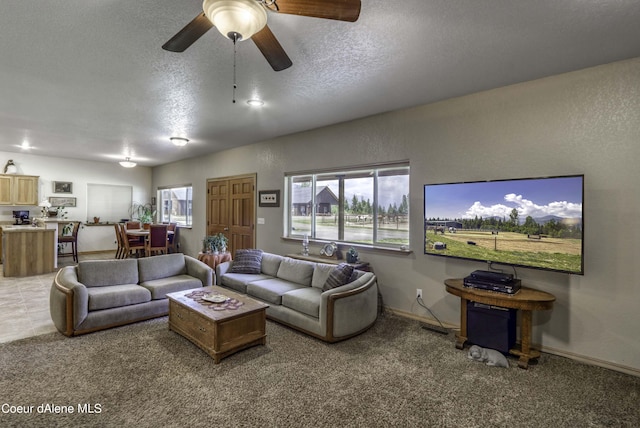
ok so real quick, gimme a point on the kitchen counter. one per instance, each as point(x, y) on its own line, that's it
point(21, 228)
point(28, 250)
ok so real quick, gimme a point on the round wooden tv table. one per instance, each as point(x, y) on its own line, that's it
point(526, 300)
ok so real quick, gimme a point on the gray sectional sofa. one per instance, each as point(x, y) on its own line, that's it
point(99, 294)
point(299, 296)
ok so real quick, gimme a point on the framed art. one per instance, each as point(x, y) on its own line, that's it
point(269, 198)
point(62, 201)
point(62, 187)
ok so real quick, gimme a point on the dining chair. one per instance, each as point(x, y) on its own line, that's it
point(120, 251)
point(72, 239)
point(133, 224)
point(172, 238)
point(130, 245)
point(156, 242)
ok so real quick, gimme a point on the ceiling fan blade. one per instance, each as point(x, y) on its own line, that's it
point(341, 10)
point(271, 49)
point(189, 34)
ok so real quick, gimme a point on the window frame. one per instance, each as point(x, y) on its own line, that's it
point(375, 171)
point(188, 205)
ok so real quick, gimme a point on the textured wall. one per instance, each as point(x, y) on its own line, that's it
point(583, 122)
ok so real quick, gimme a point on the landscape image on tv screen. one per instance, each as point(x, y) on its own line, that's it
point(533, 222)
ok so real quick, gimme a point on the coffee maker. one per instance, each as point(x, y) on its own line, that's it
point(21, 217)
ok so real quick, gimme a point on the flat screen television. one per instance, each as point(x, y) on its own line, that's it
point(528, 222)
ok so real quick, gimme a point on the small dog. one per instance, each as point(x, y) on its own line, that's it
point(489, 356)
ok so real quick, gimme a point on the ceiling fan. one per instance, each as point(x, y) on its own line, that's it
point(247, 19)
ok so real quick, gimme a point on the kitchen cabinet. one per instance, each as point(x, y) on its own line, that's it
point(28, 250)
point(18, 189)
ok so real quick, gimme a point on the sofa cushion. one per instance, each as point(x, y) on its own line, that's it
point(157, 267)
point(116, 295)
point(271, 263)
point(298, 271)
point(247, 261)
point(239, 281)
point(271, 290)
point(320, 274)
point(99, 273)
point(339, 276)
point(305, 300)
point(161, 286)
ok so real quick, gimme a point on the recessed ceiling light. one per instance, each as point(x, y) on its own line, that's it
point(255, 103)
point(179, 141)
point(127, 163)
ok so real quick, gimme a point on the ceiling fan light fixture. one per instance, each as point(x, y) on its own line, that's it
point(243, 18)
point(255, 102)
point(179, 141)
point(127, 163)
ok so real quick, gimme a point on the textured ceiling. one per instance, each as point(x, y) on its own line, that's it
point(88, 79)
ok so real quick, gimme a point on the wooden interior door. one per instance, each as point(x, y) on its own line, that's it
point(231, 210)
point(242, 212)
point(218, 207)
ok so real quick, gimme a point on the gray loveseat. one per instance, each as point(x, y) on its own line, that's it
point(293, 289)
point(99, 294)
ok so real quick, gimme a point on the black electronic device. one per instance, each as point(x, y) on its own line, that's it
point(491, 326)
point(21, 217)
point(487, 275)
point(511, 287)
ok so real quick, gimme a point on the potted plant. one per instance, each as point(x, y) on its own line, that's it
point(143, 212)
point(352, 255)
point(215, 243)
point(222, 243)
point(207, 244)
point(61, 212)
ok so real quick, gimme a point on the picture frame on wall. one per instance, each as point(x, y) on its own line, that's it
point(269, 198)
point(62, 187)
point(62, 201)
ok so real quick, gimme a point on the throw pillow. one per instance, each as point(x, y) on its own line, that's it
point(247, 261)
point(339, 276)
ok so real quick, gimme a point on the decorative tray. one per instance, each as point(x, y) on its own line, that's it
point(215, 298)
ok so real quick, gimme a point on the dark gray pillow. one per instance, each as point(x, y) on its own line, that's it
point(340, 275)
point(247, 261)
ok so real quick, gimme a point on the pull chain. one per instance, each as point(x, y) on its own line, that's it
point(235, 86)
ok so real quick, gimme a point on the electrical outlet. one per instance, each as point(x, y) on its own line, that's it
point(418, 293)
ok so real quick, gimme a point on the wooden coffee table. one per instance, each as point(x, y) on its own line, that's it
point(219, 329)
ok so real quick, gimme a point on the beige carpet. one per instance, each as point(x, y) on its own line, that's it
point(395, 375)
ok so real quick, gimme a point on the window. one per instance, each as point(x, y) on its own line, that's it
point(109, 202)
point(367, 205)
point(175, 204)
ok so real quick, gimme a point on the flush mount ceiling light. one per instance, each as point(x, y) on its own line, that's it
point(255, 103)
point(127, 163)
point(236, 19)
point(179, 141)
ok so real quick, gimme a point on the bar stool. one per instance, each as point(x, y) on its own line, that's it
point(70, 239)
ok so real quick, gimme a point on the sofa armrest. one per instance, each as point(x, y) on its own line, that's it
point(68, 300)
point(222, 269)
point(199, 270)
point(350, 308)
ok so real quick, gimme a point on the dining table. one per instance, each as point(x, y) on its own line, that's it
point(143, 232)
